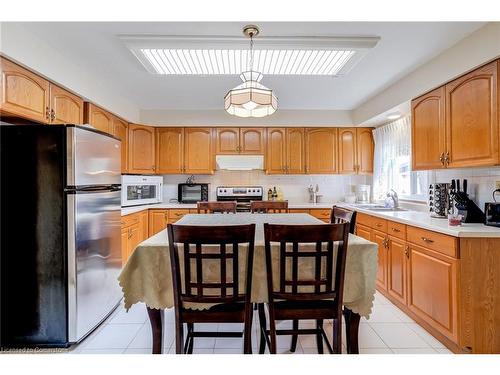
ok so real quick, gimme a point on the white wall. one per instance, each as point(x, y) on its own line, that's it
point(34, 53)
point(220, 117)
point(294, 187)
point(479, 47)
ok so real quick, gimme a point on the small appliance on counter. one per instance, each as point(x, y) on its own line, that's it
point(492, 211)
point(192, 192)
point(439, 200)
point(363, 193)
point(314, 196)
point(138, 190)
point(463, 205)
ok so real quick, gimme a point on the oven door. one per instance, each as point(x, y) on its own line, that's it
point(190, 193)
point(134, 194)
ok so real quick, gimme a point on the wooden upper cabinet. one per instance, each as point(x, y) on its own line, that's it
point(120, 131)
point(98, 118)
point(428, 130)
point(365, 149)
point(472, 118)
point(252, 141)
point(65, 107)
point(276, 151)
point(198, 151)
point(239, 141)
point(321, 150)
point(23, 93)
point(295, 151)
point(227, 140)
point(141, 149)
point(169, 150)
point(347, 151)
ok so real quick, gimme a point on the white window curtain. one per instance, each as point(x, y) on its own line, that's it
point(392, 159)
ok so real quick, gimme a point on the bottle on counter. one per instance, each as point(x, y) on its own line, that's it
point(270, 194)
point(275, 193)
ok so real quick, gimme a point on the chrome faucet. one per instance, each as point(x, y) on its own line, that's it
point(395, 200)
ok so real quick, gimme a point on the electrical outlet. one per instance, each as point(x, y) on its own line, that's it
point(497, 184)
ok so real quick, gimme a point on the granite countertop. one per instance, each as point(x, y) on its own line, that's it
point(415, 218)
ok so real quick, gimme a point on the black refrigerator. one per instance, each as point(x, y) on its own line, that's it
point(60, 249)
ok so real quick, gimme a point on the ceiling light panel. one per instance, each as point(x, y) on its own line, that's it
point(233, 62)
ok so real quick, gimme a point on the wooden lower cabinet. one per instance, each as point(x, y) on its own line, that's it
point(380, 238)
point(158, 219)
point(364, 232)
point(134, 231)
point(175, 215)
point(396, 268)
point(432, 289)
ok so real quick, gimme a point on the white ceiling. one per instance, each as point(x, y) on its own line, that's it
point(402, 48)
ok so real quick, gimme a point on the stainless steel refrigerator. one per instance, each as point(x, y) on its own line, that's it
point(59, 233)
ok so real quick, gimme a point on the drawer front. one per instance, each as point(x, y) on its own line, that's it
point(364, 219)
point(176, 214)
point(397, 230)
point(129, 220)
point(322, 214)
point(379, 224)
point(441, 243)
point(298, 211)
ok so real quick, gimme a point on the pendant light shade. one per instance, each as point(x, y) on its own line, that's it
point(251, 98)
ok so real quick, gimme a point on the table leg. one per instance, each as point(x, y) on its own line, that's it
point(156, 320)
point(352, 330)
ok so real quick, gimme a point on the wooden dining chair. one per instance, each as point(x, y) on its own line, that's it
point(216, 207)
point(339, 215)
point(201, 248)
point(265, 207)
point(304, 290)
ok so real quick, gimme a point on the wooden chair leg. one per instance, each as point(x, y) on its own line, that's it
point(263, 325)
point(190, 338)
point(337, 336)
point(179, 337)
point(319, 336)
point(295, 336)
point(272, 332)
point(247, 333)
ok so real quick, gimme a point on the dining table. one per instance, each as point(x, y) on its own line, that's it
point(147, 275)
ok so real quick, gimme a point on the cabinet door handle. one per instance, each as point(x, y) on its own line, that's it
point(378, 225)
point(129, 233)
point(407, 251)
point(441, 158)
point(447, 158)
point(52, 115)
point(166, 215)
point(428, 240)
point(395, 230)
point(47, 113)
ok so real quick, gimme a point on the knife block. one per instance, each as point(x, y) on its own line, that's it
point(466, 207)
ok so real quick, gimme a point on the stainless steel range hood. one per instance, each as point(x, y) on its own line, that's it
point(239, 162)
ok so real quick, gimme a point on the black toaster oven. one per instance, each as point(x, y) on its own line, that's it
point(192, 193)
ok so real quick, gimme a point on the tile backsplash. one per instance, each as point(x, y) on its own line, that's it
point(480, 181)
point(294, 187)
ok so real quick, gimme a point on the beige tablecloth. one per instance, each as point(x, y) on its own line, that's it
point(147, 275)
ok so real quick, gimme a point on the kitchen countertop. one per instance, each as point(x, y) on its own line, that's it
point(414, 218)
point(134, 209)
point(423, 220)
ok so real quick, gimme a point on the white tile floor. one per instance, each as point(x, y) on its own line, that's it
point(387, 331)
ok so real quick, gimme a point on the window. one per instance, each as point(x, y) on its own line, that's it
point(392, 169)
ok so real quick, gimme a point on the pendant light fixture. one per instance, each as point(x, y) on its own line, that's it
point(251, 98)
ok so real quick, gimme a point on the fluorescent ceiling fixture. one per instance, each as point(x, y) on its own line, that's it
point(203, 55)
point(393, 116)
point(228, 62)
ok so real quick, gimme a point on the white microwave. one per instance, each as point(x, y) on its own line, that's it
point(137, 190)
